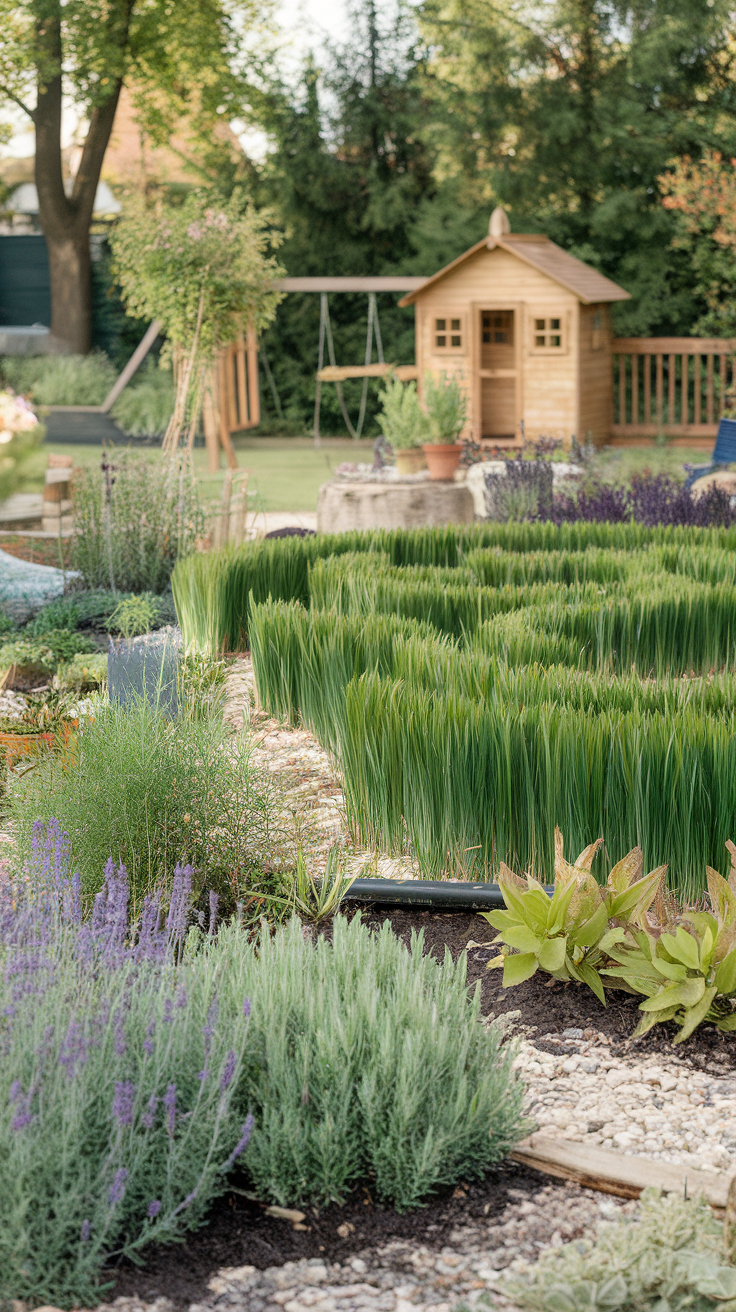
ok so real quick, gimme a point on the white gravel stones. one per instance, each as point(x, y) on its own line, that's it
point(402, 1277)
point(652, 1107)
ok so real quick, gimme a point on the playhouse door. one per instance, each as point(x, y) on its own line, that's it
point(498, 375)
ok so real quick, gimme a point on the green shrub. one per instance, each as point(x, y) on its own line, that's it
point(153, 791)
point(82, 672)
point(134, 518)
point(669, 1255)
point(371, 1061)
point(132, 1077)
point(447, 406)
point(144, 408)
point(61, 379)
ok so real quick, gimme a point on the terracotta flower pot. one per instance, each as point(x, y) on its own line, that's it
point(411, 461)
point(443, 458)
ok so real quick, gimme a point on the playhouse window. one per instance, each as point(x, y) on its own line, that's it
point(448, 334)
point(548, 333)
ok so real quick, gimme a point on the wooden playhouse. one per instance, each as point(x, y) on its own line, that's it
point(527, 327)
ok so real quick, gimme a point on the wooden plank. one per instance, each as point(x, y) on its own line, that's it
point(389, 283)
point(723, 377)
point(685, 390)
point(136, 359)
point(659, 376)
point(651, 345)
point(614, 1173)
point(254, 396)
point(696, 396)
point(241, 391)
point(671, 430)
point(634, 389)
point(337, 373)
point(622, 389)
point(225, 373)
point(709, 390)
point(231, 406)
point(647, 389)
point(672, 377)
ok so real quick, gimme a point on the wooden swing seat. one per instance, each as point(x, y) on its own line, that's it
point(337, 373)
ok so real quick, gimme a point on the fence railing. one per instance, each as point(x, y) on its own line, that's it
point(671, 385)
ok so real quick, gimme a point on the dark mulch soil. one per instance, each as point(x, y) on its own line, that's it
point(550, 1006)
point(239, 1233)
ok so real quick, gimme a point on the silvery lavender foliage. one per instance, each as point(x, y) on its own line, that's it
point(103, 1119)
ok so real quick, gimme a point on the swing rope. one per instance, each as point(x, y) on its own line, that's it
point(325, 335)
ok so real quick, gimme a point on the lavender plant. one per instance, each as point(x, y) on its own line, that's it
point(118, 1074)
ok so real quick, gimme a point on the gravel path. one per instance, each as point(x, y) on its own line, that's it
point(402, 1277)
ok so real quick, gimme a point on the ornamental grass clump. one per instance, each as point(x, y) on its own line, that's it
point(153, 791)
point(121, 1063)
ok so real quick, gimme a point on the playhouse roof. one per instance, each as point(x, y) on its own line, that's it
point(590, 286)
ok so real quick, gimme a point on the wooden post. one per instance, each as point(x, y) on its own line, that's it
point(634, 389)
point(254, 398)
point(709, 391)
point(241, 398)
point(685, 392)
point(723, 376)
point(659, 389)
point(225, 399)
point(672, 374)
point(696, 390)
point(622, 389)
point(647, 389)
point(210, 420)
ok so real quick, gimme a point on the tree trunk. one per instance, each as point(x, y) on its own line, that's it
point(66, 219)
point(70, 270)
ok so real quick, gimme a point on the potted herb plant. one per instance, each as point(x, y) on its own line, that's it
point(446, 405)
point(404, 424)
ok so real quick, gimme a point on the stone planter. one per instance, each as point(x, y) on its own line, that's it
point(410, 461)
point(443, 459)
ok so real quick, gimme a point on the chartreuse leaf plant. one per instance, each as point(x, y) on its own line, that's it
point(686, 968)
point(571, 934)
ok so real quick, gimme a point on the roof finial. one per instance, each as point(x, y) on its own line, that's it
point(499, 224)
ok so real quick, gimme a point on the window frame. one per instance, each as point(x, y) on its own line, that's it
point(448, 316)
point(545, 313)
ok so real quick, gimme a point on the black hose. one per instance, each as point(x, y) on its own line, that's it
point(441, 894)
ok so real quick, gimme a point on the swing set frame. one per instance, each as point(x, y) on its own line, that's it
point(335, 373)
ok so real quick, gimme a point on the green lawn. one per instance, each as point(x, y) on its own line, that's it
point(286, 473)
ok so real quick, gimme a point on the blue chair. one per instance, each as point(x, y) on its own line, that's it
point(724, 453)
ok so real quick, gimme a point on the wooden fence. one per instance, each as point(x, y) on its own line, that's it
point(240, 405)
point(671, 385)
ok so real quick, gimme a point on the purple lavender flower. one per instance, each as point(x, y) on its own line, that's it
point(181, 997)
point(123, 1102)
point(168, 1017)
point(214, 903)
point(120, 1044)
point(148, 1041)
point(242, 1143)
point(73, 1049)
point(15, 1092)
point(149, 1114)
point(246, 1007)
point(154, 1207)
point(186, 1203)
point(227, 1071)
point(178, 917)
point(169, 1101)
point(152, 941)
point(211, 1022)
point(117, 1188)
point(85, 1232)
point(201, 920)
